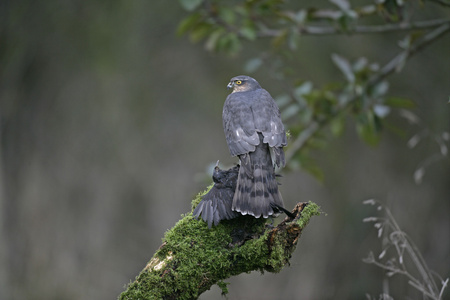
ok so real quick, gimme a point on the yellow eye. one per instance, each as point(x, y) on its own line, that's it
point(238, 82)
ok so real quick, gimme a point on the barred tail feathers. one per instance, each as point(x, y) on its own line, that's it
point(257, 188)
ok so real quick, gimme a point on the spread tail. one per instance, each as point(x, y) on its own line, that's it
point(257, 189)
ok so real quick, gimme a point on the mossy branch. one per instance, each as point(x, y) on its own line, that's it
point(192, 257)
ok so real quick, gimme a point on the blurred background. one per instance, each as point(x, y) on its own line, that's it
point(109, 125)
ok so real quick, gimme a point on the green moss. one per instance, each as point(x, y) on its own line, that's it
point(193, 257)
point(223, 286)
point(312, 209)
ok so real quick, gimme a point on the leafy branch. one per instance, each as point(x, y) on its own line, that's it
point(226, 25)
point(392, 66)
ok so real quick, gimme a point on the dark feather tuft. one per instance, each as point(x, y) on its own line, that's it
point(216, 204)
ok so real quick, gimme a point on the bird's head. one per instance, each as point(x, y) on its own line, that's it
point(243, 83)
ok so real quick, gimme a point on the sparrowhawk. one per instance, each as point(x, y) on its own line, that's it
point(255, 133)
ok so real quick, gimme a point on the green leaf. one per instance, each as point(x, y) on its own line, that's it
point(397, 102)
point(303, 89)
point(293, 39)
point(381, 110)
point(380, 89)
point(290, 111)
point(229, 43)
point(360, 64)
point(190, 5)
point(280, 39)
point(337, 126)
point(211, 43)
point(227, 15)
point(200, 32)
point(248, 32)
point(344, 66)
point(188, 23)
point(368, 128)
point(367, 134)
point(301, 16)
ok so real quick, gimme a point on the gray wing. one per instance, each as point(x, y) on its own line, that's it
point(267, 119)
point(238, 124)
point(216, 206)
point(247, 113)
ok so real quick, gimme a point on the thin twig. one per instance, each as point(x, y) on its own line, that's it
point(359, 29)
point(415, 255)
point(404, 246)
point(404, 272)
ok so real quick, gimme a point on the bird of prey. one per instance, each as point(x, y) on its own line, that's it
point(255, 133)
point(216, 204)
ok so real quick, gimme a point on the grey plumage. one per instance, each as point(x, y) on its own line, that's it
point(255, 133)
point(216, 204)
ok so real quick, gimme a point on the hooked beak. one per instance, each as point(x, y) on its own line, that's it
point(230, 85)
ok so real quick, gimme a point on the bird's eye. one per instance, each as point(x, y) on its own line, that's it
point(238, 82)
